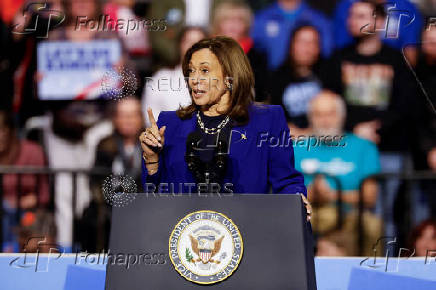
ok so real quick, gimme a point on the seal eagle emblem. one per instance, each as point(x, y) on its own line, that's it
point(205, 247)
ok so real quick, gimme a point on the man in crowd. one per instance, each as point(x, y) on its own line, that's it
point(25, 192)
point(6, 82)
point(174, 15)
point(424, 148)
point(118, 152)
point(379, 91)
point(400, 31)
point(338, 160)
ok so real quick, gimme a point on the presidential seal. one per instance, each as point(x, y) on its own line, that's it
point(205, 247)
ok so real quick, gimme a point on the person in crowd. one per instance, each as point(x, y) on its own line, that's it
point(37, 233)
point(26, 36)
point(401, 29)
point(424, 147)
point(20, 192)
point(427, 7)
point(379, 90)
point(71, 136)
point(78, 28)
point(426, 112)
point(327, 6)
point(119, 153)
point(271, 28)
point(423, 239)
point(372, 78)
point(257, 5)
point(75, 127)
point(85, 25)
point(296, 82)
point(222, 88)
point(9, 9)
point(136, 36)
point(175, 15)
point(6, 66)
point(167, 90)
point(334, 244)
point(332, 159)
point(233, 19)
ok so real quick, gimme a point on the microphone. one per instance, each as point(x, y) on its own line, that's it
point(221, 154)
point(211, 171)
point(192, 141)
point(191, 158)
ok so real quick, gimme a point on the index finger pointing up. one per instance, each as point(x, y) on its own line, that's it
point(151, 117)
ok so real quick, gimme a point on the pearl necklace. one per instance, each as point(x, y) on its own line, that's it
point(212, 131)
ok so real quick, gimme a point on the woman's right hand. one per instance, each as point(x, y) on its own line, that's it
point(152, 139)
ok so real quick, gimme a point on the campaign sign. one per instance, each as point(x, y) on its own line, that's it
point(75, 70)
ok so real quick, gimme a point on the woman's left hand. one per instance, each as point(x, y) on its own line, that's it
point(308, 207)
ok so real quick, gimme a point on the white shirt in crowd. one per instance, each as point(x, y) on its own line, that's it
point(66, 155)
point(166, 90)
point(197, 13)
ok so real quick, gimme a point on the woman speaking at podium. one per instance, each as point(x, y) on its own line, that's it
point(184, 149)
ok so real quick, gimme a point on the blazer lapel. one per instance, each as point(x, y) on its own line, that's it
point(240, 141)
point(186, 127)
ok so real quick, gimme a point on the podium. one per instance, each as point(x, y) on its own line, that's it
point(271, 243)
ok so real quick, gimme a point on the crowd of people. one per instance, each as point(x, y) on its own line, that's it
point(356, 76)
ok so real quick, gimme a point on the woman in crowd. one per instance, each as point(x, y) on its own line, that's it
point(423, 239)
point(233, 19)
point(295, 83)
point(166, 90)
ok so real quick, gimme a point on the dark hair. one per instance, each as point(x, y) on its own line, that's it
point(236, 67)
point(66, 6)
point(300, 26)
point(6, 119)
point(289, 61)
point(379, 9)
point(112, 108)
point(179, 39)
point(418, 230)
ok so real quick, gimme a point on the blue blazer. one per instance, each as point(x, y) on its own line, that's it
point(260, 155)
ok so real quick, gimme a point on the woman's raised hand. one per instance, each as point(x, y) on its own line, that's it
point(152, 139)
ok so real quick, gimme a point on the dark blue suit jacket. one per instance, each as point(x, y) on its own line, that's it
point(263, 158)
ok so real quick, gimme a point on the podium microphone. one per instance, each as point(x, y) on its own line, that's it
point(211, 171)
point(221, 155)
point(194, 163)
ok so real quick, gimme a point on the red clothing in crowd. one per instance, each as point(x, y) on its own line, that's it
point(28, 154)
